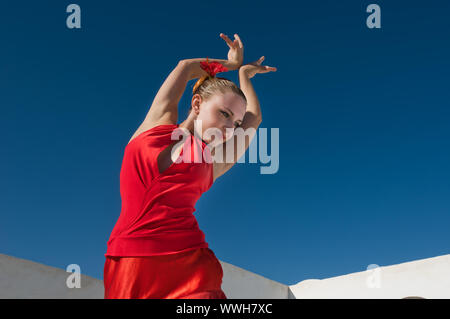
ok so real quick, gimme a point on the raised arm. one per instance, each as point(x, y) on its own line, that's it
point(164, 108)
point(252, 118)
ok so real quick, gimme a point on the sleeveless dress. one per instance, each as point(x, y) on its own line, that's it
point(156, 249)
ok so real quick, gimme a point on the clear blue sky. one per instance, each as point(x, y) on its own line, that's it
point(363, 116)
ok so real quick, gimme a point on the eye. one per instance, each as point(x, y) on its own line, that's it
point(236, 124)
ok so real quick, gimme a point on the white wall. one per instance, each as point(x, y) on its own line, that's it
point(239, 283)
point(427, 278)
point(20, 278)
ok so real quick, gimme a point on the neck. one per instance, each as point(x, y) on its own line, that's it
point(189, 125)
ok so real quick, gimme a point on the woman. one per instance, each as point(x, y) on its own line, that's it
point(156, 249)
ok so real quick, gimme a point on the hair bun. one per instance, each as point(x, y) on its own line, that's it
point(199, 82)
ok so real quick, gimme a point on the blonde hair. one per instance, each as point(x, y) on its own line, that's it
point(207, 86)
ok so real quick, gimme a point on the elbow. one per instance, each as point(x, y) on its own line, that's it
point(182, 62)
point(258, 119)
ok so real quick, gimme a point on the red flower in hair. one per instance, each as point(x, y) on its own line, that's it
point(212, 67)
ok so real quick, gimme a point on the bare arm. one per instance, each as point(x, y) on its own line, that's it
point(250, 123)
point(253, 108)
point(252, 118)
point(165, 104)
point(234, 61)
point(171, 91)
point(196, 71)
point(164, 108)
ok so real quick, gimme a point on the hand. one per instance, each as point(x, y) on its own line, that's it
point(236, 52)
point(251, 69)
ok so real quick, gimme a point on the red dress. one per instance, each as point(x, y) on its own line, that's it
point(194, 274)
point(156, 249)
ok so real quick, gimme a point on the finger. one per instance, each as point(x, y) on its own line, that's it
point(270, 68)
point(266, 69)
point(260, 60)
point(236, 36)
point(227, 39)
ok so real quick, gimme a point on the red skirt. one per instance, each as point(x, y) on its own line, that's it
point(193, 274)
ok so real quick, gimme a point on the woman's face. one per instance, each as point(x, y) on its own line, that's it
point(222, 113)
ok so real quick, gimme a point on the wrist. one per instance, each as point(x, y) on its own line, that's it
point(243, 71)
point(231, 66)
point(193, 68)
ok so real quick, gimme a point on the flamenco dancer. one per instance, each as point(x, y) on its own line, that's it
point(156, 249)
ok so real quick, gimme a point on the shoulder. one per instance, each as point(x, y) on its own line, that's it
point(149, 125)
